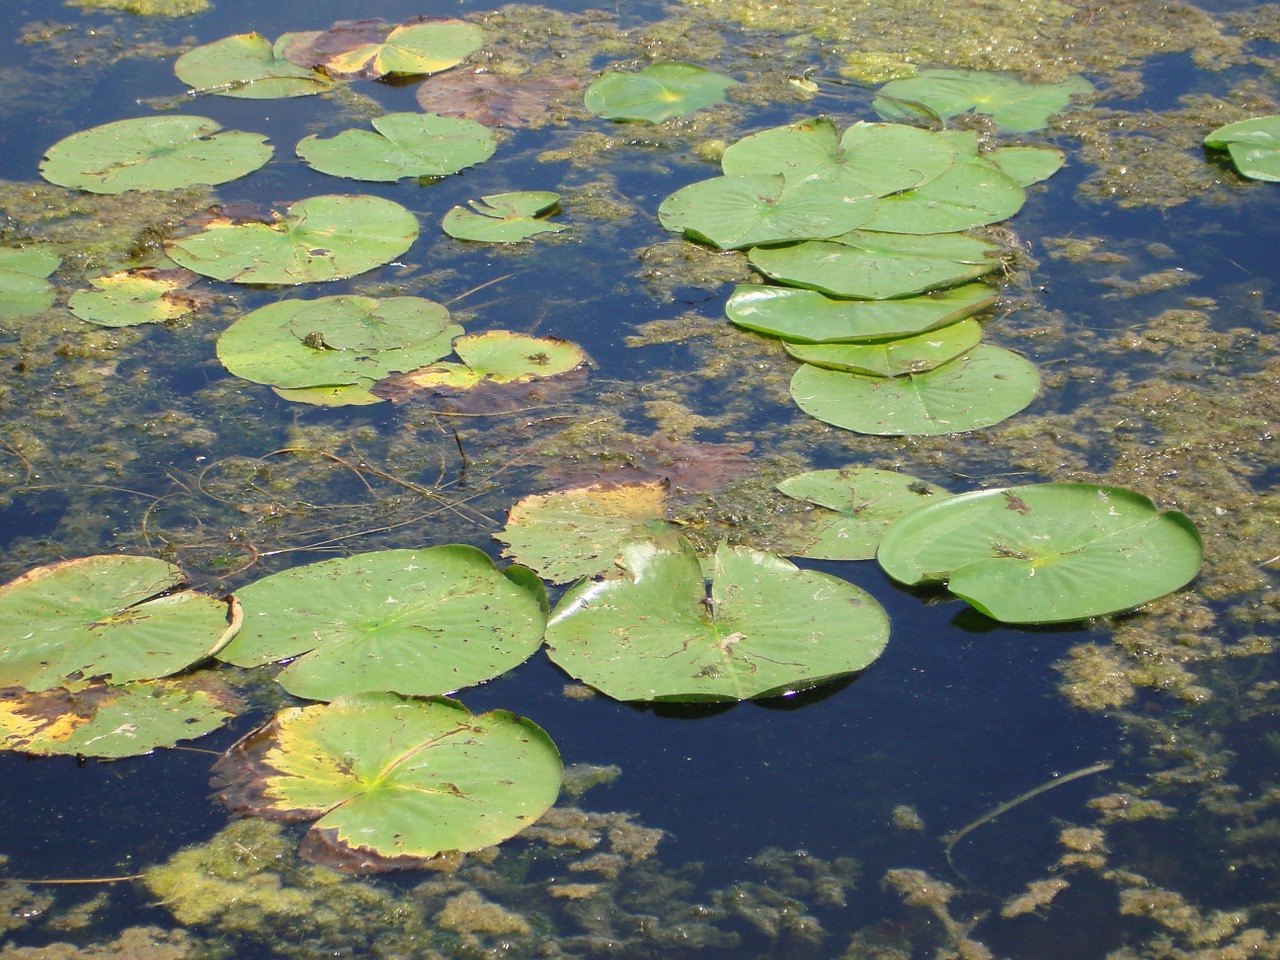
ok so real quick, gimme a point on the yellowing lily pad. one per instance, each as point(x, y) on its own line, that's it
point(498, 356)
point(132, 297)
point(374, 48)
point(569, 534)
point(117, 617)
point(393, 781)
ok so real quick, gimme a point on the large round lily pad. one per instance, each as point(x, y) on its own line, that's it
point(1014, 105)
point(336, 341)
point(879, 266)
point(970, 193)
point(321, 238)
point(656, 93)
point(766, 628)
point(117, 617)
point(1045, 553)
point(806, 316)
point(417, 622)
point(405, 145)
point(987, 385)
point(392, 781)
point(153, 153)
point(248, 66)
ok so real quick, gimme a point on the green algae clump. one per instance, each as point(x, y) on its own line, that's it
point(147, 8)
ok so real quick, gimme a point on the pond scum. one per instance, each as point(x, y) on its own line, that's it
point(1187, 418)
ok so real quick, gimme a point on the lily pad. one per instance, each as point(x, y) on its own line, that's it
point(375, 48)
point(1045, 553)
point(498, 356)
point(857, 504)
point(741, 211)
point(391, 781)
point(321, 238)
point(416, 622)
point(504, 217)
point(987, 385)
point(336, 341)
point(570, 534)
point(405, 145)
point(870, 158)
point(970, 193)
point(765, 629)
point(248, 66)
point(153, 153)
point(23, 288)
point(806, 316)
point(117, 617)
point(1026, 165)
point(1254, 146)
point(656, 93)
point(357, 394)
point(97, 720)
point(892, 358)
point(1014, 105)
point(140, 295)
point(493, 99)
point(879, 266)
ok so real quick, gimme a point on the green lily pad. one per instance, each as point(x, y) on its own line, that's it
point(132, 297)
point(504, 217)
point(498, 356)
point(879, 266)
point(806, 316)
point(416, 622)
point(96, 720)
point(1026, 165)
point(394, 781)
point(341, 395)
point(117, 617)
point(336, 341)
point(374, 48)
point(870, 158)
point(892, 358)
point(248, 66)
point(1254, 146)
point(987, 385)
point(320, 238)
point(1045, 553)
point(742, 211)
point(23, 288)
point(153, 153)
point(405, 145)
point(970, 193)
point(766, 628)
point(856, 506)
point(570, 534)
point(656, 93)
point(1015, 106)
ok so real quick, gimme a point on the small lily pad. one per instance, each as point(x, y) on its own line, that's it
point(248, 66)
point(153, 153)
point(1014, 105)
point(879, 266)
point(320, 238)
point(97, 720)
point(498, 356)
point(140, 295)
point(741, 211)
point(416, 622)
point(653, 632)
point(393, 781)
point(1045, 553)
point(987, 385)
point(375, 48)
point(405, 145)
point(1254, 146)
point(656, 93)
point(856, 506)
point(23, 288)
point(1026, 165)
point(806, 316)
point(504, 217)
point(117, 617)
point(892, 358)
point(569, 534)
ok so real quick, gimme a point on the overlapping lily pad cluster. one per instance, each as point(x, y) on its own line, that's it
point(865, 233)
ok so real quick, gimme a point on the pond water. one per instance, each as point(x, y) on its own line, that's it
point(1136, 753)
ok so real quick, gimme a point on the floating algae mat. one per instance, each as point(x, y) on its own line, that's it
point(718, 480)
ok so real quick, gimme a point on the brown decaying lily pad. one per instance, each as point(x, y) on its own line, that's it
point(689, 465)
point(493, 100)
